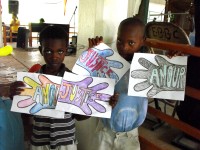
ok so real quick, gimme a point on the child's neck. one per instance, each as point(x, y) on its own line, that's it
point(51, 70)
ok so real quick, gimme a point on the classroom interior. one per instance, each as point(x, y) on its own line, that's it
point(162, 129)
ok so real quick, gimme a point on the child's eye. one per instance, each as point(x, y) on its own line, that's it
point(131, 43)
point(48, 51)
point(119, 41)
point(60, 51)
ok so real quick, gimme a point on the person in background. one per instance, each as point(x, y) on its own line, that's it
point(42, 20)
point(14, 25)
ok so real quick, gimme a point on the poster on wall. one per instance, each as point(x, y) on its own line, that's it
point(39, 96)
point(101, 61)
point(85, 95)
point(157, 76)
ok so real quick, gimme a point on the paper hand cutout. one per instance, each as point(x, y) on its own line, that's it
point(43, 95)
point(97, 64)
point(164, 77)
point(81, 95)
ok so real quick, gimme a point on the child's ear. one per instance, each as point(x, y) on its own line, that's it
point(40, 49)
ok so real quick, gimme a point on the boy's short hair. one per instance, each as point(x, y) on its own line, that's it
point(52, 32)
point(134, 21)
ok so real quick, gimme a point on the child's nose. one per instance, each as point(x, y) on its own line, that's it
point(55, 55)
point(125, 46)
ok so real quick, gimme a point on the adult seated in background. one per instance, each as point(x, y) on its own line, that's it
point(14, 25)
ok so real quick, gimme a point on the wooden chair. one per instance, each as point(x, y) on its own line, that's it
point(190, 91)
point(169, 32)
point(12, 35)
point(8, 35)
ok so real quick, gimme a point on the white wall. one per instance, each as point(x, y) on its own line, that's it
point(102, 18)
point(32, 10)
point(114, 12)
point(87, 19)
point(133, 7)
point(90, 24)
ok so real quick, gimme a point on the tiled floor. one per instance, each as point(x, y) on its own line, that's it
point(163, 136)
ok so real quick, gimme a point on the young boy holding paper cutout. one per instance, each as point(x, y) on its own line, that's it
point(51, 133)
point(120, 132)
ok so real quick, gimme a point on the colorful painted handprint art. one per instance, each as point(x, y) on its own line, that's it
point(157, 76)
point(101, 61)
point(85, 95)
point(39, 96)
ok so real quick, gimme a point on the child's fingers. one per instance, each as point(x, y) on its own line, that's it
point(101, 39)
point(113, 103)
point(15, 88)
point(95, 41)
point(116, 95)
point(17, 93)
point(180, 53)
point(174, 54)
point(17, 84)
point(90, 43)
point(113, 100)
point(20, 89)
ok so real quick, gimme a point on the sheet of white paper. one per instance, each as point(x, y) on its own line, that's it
point(39, 97)
point(157, 76)
point(85, 95)
point(101, 61)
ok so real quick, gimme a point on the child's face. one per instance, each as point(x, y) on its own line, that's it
point(129, 40)
point(53, 51)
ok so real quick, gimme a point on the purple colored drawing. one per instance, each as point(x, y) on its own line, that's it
point(82, 95)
